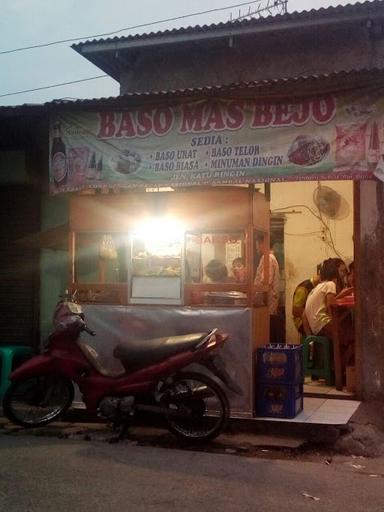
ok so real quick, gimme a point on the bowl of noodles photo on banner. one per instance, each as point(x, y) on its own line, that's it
point(307, 151)
point(126, 162)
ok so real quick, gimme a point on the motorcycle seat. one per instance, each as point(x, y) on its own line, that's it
point(139, 354)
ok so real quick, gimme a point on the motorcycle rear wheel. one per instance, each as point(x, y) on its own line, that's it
point(37, 401)
point(198, 407)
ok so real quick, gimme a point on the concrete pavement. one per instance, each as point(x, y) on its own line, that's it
point(231, 441)
point(46, 474)
point(247, 437)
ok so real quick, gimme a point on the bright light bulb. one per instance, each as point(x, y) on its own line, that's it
point(159, 228)
point(160, 234)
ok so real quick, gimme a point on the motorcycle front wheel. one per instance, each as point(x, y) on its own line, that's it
point(37, 401)
point(198, 409)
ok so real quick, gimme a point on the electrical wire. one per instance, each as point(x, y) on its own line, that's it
point(330, 243)
point(54, 85)
point(311, 233)
point(4, 52)
point(133, 27)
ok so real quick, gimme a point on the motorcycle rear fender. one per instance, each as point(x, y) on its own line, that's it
point(216, 365)
point(38, 365)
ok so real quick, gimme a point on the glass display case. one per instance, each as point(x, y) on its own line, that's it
point(157, 268)
point(100, 266)
point(216, 267)
point(100, 258)
point(186, 247)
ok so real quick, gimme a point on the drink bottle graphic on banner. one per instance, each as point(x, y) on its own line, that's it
point(58, 157)
point(91, 171)
point(99, 169)
point(374, 147)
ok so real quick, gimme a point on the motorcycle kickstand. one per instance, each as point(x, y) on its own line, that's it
point(122, 434)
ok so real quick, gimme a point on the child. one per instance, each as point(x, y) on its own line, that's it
point(238, 270)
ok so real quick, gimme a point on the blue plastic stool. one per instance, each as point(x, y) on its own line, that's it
point(10, 357)
point(312, 367)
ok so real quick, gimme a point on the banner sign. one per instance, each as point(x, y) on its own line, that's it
point(218, 141)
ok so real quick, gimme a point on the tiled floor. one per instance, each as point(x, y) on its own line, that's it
point(323, 405)
point(318, 387)
point(323, 411)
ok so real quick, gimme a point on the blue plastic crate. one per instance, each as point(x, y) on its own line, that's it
point(279, 400)
point(280, 363)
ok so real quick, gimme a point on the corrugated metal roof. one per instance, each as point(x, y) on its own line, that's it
point(360, 8)
point(346, 77)
point(289, 85)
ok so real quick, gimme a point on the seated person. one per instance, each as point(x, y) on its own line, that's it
point(216, 272)
point(351, 275)
point(300, 298)
point(341, 282)
point(317, 316)
point(238, 270)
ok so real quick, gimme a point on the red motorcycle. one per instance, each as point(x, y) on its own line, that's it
point(150, 379)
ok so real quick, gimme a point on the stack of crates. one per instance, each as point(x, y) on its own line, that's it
point(280, 379)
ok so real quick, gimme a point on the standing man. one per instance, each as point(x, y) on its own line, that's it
point(273, 284)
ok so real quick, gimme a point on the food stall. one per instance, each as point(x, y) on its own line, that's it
point(138, 261)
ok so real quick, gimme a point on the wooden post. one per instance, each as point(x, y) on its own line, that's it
point(357, 314)
point(250, 257)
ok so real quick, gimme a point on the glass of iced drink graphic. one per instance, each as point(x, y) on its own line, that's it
point(78, 158)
